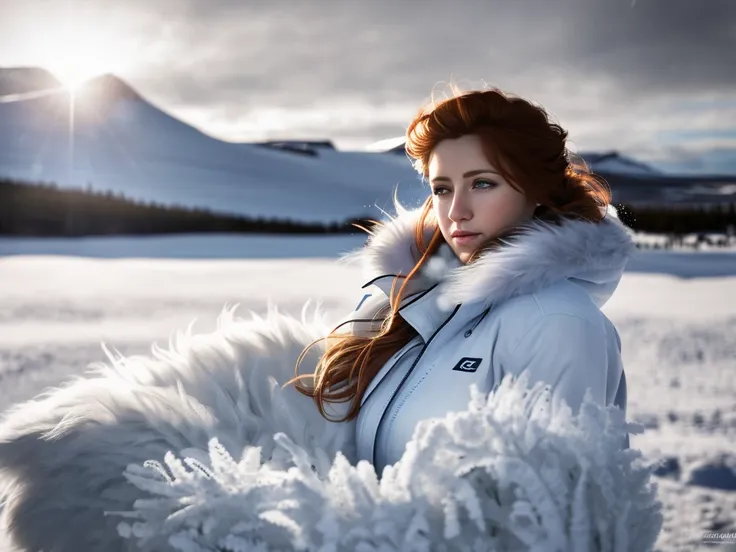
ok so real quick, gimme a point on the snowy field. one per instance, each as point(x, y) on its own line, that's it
point(676, 312)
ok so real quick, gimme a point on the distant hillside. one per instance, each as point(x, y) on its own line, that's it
point(612, 162)
point(21, 80)
point(123, 143)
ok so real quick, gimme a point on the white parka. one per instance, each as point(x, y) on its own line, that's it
point(533, 305)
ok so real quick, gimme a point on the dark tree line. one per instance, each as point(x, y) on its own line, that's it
point(678, 220)
point(47, 210)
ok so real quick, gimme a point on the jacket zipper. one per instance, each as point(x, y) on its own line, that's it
point(406, 376)
point(394, 358)
point(470, 331)
point(419, 296)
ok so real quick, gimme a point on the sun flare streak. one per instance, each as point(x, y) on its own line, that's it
point(78, 50)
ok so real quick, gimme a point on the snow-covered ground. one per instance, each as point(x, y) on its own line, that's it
point(676, 313)
point(706, 241)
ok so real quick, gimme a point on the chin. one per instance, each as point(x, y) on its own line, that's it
point(463, 255)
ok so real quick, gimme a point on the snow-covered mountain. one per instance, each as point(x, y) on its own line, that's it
point(121, 142)
point(612, 162)
point(22, 80)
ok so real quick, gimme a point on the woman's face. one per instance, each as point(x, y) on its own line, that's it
point(468, 195)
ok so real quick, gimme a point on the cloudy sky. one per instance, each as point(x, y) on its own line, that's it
point(655, 78)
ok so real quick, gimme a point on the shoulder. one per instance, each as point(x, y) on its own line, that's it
point(555, 310)
point(563, 298)
point(566, 298)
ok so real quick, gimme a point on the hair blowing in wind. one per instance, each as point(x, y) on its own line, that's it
point(529, 151)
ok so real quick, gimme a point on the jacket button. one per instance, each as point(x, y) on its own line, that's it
point(467, 334)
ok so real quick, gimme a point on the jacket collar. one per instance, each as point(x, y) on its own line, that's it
point(592, 255)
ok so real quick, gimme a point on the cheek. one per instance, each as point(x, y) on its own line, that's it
point(513, 201)
point(439, 209)
point(502, 209)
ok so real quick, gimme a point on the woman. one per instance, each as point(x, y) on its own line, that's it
point(522, 253)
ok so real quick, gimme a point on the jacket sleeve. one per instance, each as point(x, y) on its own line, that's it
point(568, 353)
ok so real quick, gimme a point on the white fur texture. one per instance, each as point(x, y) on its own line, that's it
point(596, 253)
point(63, 454)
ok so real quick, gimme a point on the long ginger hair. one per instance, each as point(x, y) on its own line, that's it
point(529, 151)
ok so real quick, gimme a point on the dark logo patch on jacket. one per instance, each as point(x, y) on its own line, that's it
point(468, 364)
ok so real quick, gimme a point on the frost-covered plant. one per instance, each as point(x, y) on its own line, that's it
point(509, 473)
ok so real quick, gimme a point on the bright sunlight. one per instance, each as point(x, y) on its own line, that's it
point(79, 51)
point(74, 74)
point(77, 62)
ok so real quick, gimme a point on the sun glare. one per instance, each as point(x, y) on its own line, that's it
point(80, 54)
point(73, 78)
point(73, 69)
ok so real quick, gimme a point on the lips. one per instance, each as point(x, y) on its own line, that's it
point(464, 238)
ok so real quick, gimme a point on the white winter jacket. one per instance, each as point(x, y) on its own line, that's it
point(533, 305)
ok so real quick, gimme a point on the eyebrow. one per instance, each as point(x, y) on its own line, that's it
point(466, 175)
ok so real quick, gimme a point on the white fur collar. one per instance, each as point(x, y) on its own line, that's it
point(594, 255)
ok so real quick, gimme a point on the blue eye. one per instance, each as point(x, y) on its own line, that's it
point(490, 183)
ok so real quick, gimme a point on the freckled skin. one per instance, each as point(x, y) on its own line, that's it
point(484, 203)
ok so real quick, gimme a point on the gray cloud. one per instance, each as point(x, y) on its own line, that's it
point(686, 45)
point(601, 66)
point(382, 47)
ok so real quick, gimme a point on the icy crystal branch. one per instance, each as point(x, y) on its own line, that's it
point(509, 473)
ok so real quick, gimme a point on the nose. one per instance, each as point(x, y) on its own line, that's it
point(460, 208)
